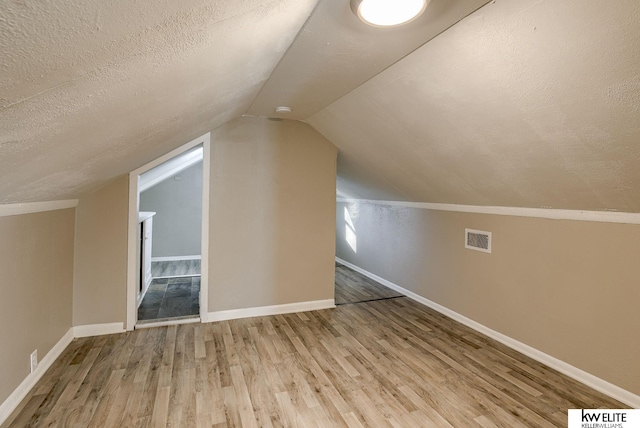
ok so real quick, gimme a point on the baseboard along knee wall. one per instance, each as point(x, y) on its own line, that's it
point(14, 400)
point(622, 395)
point(588, 379)
point(261, 311)
point(16, 397)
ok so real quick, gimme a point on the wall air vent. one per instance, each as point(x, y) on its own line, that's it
point(477, 240)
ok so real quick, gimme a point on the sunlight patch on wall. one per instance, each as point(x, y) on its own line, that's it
point(350, 231)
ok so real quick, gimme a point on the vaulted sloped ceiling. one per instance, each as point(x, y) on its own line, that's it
point(532, 103)
point(92, 89)
point(524, 103)
point(335, 53)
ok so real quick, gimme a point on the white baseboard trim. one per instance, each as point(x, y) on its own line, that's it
point(98, 329)
point(12, 402)
point(167, 323)
point(260, 311)
point(588, 379)
point(16, 397)
point(174, 258)
point(176, 276)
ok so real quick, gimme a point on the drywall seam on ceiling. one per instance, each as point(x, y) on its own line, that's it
point(295, 39)
point(335, 52)
point(549, 213)
point(405, 55)
point(36, 207)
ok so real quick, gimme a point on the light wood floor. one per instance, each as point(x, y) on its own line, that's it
point(391, 362)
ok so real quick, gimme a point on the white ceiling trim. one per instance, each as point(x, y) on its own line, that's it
point(548, 213)
point(36, 207)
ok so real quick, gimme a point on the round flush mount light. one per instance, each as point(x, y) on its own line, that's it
point(388, 13)
point(283, 109)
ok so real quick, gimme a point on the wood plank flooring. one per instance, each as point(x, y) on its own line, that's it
point(383, 363)
point(353, 287)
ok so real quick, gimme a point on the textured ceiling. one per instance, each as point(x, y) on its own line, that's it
point(523, 103)
point(335, 52)
point(92, 89)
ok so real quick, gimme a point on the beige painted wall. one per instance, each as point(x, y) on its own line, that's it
point(100, 272)
point(36, 261)
point(567, 288)
point(272, 224)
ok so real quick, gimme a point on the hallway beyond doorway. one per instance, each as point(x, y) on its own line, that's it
point(171, 298)
point(173, 268)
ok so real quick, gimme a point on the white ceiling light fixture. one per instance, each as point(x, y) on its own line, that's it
point(388, 13)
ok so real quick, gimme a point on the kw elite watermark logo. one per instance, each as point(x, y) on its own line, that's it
point(604, 418)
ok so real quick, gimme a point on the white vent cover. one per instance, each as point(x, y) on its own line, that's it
point(477, 240)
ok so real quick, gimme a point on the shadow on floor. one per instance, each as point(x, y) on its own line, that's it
point(353, 287)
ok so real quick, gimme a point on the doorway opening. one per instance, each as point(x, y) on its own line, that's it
point(168, 238)
point(353, 284)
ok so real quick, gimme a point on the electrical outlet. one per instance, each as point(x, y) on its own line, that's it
point(34, 360)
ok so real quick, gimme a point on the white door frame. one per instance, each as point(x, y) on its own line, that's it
point(134, 206)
